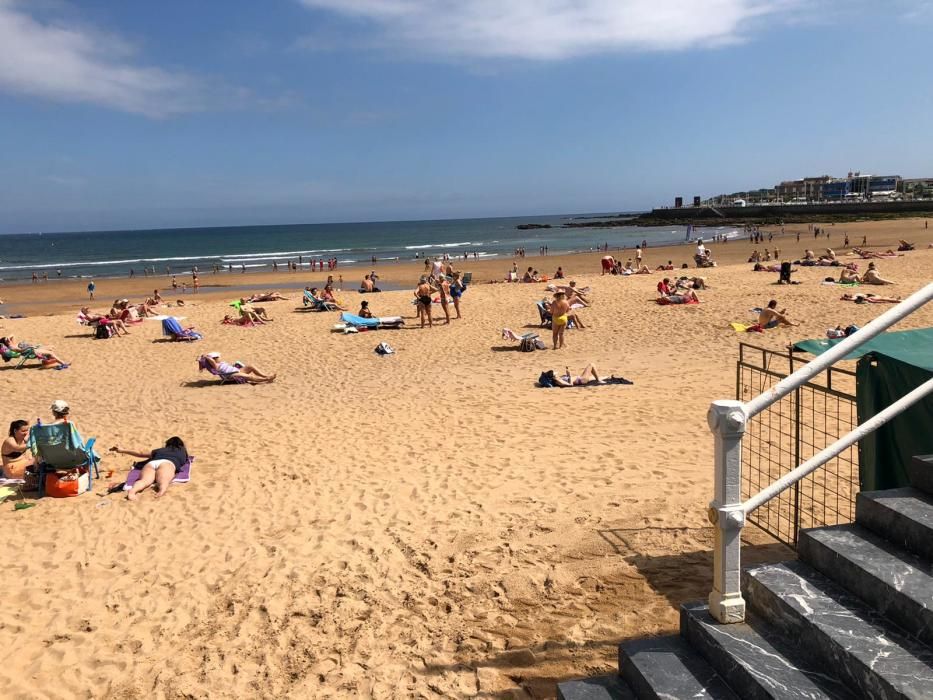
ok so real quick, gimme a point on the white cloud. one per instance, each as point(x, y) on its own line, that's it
point(80, 64)
point(555, 29)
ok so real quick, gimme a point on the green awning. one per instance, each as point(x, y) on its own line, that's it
point(913, 347)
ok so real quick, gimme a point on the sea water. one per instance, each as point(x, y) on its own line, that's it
point(171, 251)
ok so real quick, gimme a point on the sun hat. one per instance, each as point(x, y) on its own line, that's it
point(59, 406)
point(212, 354)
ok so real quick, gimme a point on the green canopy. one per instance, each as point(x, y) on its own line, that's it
point(890, 366)
point(912, 347)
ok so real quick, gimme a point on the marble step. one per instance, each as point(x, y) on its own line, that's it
point(608, 687)
point(754, 661)
point(902, 516)
point(870, 655)
point(920, 473)
point(666, 667)
point(895, 583)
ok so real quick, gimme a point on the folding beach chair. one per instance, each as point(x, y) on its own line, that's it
point(466, 278)
point(544, 314)
point(317, 304)
point(21, 354)
point(173, 329)
point(59, 447)
point(784, 276)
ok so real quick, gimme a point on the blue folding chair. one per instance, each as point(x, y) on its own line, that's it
point(59, 447)
point(317, 304)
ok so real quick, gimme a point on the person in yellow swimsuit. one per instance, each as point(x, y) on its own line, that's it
point(560, 307)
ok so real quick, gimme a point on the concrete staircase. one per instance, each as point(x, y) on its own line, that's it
point(851, 618)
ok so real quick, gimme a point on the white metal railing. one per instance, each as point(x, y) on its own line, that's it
point(727, 421)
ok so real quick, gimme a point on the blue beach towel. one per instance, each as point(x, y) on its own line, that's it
point(358, 321)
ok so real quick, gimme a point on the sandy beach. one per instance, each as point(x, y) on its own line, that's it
point(424, 524)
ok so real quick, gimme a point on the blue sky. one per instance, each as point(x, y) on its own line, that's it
point(173, 113)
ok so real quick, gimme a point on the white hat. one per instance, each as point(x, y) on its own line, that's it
point(212, 354)
point(59, 406)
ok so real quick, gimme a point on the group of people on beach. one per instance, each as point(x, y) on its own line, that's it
point(158, 467)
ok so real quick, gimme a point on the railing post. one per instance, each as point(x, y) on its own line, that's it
point(727, 420)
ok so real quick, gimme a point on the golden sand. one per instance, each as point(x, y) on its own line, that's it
point(426, 524)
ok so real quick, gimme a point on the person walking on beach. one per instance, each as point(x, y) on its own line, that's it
point(90, 289)
point(423, 297)
point(559, 310)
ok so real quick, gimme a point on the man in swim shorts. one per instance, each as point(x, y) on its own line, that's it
point(770, 317)
point(560, 307)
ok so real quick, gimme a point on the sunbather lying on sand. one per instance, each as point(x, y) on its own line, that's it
point(265, 296)
point(229, 320)
point(770, 317)
point(904, 245)
point(681, 296)
point(589, 375)
point(159, 466)
point(872, 254)
point(870, 299)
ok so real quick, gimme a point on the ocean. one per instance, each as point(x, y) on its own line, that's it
point(117, 253)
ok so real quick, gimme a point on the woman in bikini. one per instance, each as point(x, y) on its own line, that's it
point(423, 295)
point(15, 452)
point(443, 288)
point(159, 466)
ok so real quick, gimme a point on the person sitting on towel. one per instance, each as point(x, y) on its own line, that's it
point(364, 311)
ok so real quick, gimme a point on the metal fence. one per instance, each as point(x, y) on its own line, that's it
point(791, 431)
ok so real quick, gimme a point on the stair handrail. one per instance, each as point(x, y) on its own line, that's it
point(727, 420)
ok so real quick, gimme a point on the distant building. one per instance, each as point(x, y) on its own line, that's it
point(917, 188)
point(835, 190)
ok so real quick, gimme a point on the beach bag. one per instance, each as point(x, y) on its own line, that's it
point(72, 483)
point(546, 379)
point(384, 349)
point(527, 345)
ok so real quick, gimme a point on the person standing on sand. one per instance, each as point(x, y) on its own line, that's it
point(457, 288)
point(423, 296)
point(559, 310)
point(443, 287)
point(90, 289)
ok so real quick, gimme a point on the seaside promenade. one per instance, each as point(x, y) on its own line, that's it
point(425, 524)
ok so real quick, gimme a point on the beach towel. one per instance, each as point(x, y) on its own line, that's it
point(665, 301)
point(359, 321)
point(182, 477)
point(739, 327)
point(546, 381)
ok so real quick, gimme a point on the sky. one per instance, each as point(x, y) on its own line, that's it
point(119, 114)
